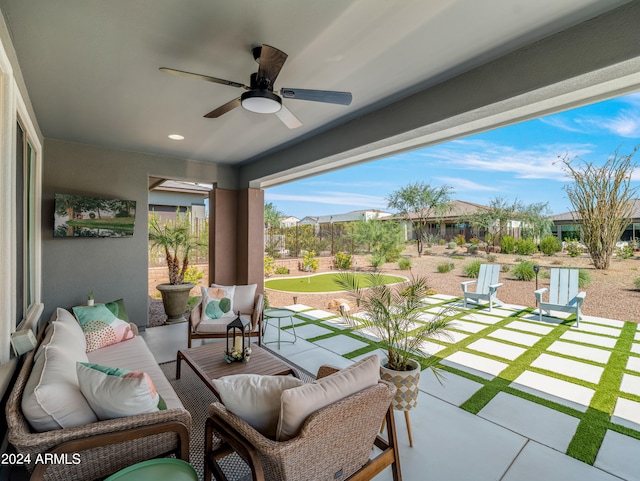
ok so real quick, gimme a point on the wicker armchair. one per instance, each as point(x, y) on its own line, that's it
point(335, 442)
point(200, 330)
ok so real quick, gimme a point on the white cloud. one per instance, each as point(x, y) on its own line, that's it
point(541, 163)
point(333, 198)
point(466, 185)
point(564, 124)
point(625, 124)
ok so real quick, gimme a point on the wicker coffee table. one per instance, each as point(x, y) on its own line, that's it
point(207, 361)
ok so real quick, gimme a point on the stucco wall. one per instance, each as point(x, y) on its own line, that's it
point(111, 268)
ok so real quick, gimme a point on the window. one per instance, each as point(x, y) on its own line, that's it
point(25, 238)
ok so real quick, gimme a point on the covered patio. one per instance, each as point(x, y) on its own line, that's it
point(520, 400)
point(86, 111)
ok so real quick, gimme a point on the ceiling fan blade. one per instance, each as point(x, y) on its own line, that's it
point(271, 62)
point(327, 96)
point(288, 118)
point(223, 109)
point(198, 76)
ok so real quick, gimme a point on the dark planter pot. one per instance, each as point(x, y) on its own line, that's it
point(175, 299)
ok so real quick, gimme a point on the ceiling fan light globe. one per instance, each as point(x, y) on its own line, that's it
point(261, 102)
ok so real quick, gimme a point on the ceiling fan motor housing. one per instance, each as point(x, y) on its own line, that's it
point(261, 101)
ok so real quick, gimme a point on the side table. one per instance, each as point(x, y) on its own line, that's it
point(280, 313)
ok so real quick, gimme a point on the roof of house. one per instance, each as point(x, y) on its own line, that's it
point(459, 208)
point(571, 215)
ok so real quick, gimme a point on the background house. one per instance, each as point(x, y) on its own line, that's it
point(567, 225)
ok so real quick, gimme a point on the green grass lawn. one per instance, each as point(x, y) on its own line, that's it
point(319, 283)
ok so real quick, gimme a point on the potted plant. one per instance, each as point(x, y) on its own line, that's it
point(396, 315)
point(178, 241)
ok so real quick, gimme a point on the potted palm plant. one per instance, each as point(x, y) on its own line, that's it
point(177, 240)
point(395, 314)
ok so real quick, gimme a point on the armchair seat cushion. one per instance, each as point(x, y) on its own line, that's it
point(216, 325)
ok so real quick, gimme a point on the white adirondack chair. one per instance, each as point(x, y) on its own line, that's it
point(486, 285)
point(563, 293)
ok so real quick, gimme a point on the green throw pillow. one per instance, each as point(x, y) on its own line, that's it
point(104, 324)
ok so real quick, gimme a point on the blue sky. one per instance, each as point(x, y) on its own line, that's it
point(519, 161)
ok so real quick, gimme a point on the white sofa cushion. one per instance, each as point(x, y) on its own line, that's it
point(299, 402)
point(52, 398)
point(255, 398)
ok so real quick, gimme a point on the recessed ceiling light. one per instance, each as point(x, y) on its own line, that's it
point(176, 137)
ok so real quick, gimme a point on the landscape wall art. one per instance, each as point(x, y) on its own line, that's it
point(81, 216)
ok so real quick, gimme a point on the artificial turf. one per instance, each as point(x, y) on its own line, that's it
point(593, 423)
point(319, 283)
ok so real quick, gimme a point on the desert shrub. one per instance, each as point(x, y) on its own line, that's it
point(442, 242)
point(475, 241)
point(460, 240)
point(445, 267)
point(584, 278)
point(505, 268)
point(523, 271)
point(573, 248)
point(430, 239)
point(193, 275)
point(269, 265)
point(282, 270)
point(526, 247)
point(491, 258)
point(404, 263)
point(427, 252)
point(343, 260)
point(625, 252)
point(377, 260)
point(472, 249)
point(460, 258)
point(310, 261)
point(637, 282)
point(550, 245)
point(507, 244)
point(472, 269)
point(452, 245)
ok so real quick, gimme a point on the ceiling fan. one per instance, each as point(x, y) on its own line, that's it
point(260, 96)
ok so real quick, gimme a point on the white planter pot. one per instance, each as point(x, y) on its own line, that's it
point(407, 383)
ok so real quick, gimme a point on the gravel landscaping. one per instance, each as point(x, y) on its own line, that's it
point(611, 294)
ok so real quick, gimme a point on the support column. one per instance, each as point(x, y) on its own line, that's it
point(236, 237)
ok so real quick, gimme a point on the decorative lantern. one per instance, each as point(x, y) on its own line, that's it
point(238, 348)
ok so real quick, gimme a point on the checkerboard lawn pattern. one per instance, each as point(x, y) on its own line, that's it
point(591, 374)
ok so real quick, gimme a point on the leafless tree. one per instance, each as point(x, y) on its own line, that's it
point(602, 199)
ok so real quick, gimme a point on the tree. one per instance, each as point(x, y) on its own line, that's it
point(272, 216)
point(536, 220)
point(380, 237)
point(602, 202)
point(418, 203)
point(496, 218)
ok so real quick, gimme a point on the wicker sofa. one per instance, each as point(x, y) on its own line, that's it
point(95, 449)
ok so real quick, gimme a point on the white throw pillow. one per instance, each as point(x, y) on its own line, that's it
point(244, 297)
point(115, 393)
point(298, 403)
point(255, 398)
point(217, 302)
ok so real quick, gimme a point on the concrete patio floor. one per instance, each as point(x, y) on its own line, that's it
point(520, 433)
